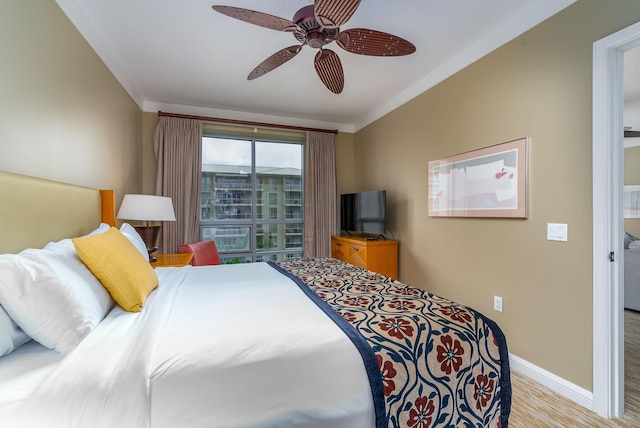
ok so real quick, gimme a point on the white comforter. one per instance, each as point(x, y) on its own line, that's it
point(214, 346)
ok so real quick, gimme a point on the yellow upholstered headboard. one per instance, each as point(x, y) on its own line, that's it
point(35, 211)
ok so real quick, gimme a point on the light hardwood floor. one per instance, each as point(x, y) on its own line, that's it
point(533, 405)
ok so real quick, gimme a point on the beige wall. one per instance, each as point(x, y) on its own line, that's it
point(149, 122)
point(63, 115)
point(537, 86)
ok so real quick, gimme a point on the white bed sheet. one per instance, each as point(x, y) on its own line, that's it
point(214, 346)
point(20, 373)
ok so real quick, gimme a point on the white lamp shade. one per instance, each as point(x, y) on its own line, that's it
point(146, 208)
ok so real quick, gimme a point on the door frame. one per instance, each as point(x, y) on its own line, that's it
point(608, 224)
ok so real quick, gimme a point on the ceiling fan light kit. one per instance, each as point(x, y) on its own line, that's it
point(316, 26)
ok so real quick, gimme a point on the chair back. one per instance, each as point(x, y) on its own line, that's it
point(204, 253)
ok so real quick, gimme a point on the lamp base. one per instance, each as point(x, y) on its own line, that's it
point(149, 235)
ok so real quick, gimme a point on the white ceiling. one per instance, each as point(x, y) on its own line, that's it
point(183, 57)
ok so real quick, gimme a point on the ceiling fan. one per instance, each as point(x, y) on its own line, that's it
point(315, 26)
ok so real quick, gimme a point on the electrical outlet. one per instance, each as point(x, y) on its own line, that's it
point(497, 303)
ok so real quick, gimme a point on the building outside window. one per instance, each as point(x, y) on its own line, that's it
point(251, 199)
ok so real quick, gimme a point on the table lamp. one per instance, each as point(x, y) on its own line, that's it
point(147, 208)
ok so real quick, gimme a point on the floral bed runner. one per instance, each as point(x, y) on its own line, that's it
point(431, 362)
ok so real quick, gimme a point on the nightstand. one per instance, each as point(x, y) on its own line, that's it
point(172, 260)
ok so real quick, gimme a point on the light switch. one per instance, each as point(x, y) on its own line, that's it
point(557, 232)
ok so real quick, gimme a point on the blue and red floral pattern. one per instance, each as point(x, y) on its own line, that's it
point(433, 362)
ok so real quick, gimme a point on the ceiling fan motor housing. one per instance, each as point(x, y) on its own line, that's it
point(314, 35)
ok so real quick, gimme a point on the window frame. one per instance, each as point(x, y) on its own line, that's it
point(254, 253)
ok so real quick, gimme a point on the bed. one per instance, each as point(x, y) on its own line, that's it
point(301, 343)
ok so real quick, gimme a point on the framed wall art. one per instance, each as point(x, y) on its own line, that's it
point(631, 201)
point(488, 182)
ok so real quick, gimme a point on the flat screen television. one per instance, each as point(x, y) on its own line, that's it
point(364, 212)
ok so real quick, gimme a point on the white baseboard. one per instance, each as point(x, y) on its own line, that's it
point(552, 381)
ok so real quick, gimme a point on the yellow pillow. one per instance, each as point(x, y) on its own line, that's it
point(116, 262)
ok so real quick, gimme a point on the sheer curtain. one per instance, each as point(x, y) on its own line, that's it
point(321, 194)
point(178, 146)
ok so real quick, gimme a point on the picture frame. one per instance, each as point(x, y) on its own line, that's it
point(631, 201)
point(488, 182)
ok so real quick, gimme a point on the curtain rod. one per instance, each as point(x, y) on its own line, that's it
point(244, 122)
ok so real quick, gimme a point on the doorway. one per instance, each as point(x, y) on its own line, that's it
point(608, 226)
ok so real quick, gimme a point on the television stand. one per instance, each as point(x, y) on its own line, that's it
point(377, 255)
point(375, 238)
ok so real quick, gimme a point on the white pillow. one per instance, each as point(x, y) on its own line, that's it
point(134, 237)
point(11, 336)
point(634, 245)
point(67, 264)
point(52, 295)
point(102, 228)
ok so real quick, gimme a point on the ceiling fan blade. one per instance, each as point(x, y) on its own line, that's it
point(258, 18)
point(274, 61)
point(334, 13)
point(329, 69)
point(631, 134)
point(362, 41)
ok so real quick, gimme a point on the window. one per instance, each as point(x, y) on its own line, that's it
point(251, 196)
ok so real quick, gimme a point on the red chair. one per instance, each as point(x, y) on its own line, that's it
point(204, 253)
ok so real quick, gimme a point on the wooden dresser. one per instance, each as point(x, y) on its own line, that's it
point(375, 255)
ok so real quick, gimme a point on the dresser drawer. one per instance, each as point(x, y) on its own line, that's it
point(377, 256)
point(349, 252)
